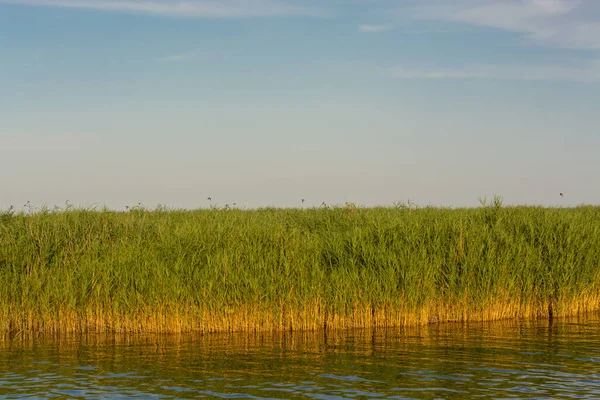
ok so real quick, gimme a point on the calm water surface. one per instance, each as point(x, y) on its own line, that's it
point(498, 360)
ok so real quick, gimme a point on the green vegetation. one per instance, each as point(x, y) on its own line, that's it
point(280, 269)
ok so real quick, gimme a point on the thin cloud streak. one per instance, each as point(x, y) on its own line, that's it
point(178, 57)
point(27, 142)
point(587, 74)
point(190, 8)
point(374, 28)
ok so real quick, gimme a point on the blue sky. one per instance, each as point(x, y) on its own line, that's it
point(267, 102)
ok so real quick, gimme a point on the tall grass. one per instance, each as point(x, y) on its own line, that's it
point(291, 269)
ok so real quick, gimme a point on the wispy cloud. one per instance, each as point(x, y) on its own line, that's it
point(374, 28)
point(558, 23)
point(189, 8)
point(178, 57)
point(588, 73)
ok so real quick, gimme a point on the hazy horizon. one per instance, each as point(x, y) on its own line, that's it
point(267, 102)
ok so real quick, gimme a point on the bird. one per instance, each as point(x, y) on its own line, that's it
point(303, 201)
point(209, 199)
point(561, 195)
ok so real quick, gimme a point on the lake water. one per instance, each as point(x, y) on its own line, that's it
point(559, 359)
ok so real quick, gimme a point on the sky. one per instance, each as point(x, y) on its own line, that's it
point(268, 102)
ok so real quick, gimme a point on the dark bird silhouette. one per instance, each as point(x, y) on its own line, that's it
point(561, 195)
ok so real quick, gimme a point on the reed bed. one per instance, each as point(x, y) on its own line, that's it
point(225, 270)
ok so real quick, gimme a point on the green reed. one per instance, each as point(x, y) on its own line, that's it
point(275, 269)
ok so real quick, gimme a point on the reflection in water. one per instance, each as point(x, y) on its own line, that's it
point(502, 359)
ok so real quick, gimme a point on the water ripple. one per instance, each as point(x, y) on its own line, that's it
point(504, 360)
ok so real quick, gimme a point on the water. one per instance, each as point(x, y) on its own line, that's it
point(497, 360)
